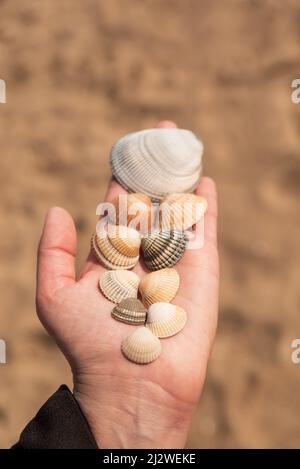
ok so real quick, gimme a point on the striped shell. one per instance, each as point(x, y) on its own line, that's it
point(130, 311)
point(134, 210)
point(116, 247)
point(141, 346)
point(165, 319)
point(117, 285)
point(181, 211)
point(163, 249)
point(157, 162)
point(158, 286)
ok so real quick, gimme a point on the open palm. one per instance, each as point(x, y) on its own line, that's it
point(128, 405)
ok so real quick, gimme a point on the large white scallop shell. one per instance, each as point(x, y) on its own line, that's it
point(165, 319)
point(116, 247)
point(157, 162)
point(141, 346)
point(117, 285)
point(158, 286)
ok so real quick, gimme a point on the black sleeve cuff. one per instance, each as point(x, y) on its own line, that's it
point(59, 424)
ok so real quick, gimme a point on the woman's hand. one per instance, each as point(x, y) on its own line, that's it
point(128, 405)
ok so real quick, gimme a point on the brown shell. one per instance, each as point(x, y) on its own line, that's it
point(130, 311)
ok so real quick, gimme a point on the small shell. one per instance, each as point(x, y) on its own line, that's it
point(130, 311)
point(165, 319)
point(161, 285)
point(141, 346)
point(163, 249)
point(181, 211)
point(134, 209)
point(157, 162)
point(117, 285)
point(116, 247)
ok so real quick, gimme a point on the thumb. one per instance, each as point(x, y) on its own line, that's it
point(56, 253)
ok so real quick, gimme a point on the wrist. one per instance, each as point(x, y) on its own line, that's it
point(132, 413)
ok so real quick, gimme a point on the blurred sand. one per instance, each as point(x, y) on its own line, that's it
point(81, 74)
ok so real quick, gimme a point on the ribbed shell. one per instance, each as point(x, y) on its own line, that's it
point(158, 286)
point(141, 346)
point(163, 249)
point(130, 311)
point(181, 211)
point(134, 209)
point(165, 319)
point(117, 249)
point(117, 285)
point(157, 161)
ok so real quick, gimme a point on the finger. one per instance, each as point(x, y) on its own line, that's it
point(56, 253)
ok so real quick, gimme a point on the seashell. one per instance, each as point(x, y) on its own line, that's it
point(117, 285)
point(158, 286)
point(116, 247)
point(157, 162)
point(181, 211)
point(165, 319)
point(163, 248)
point(141, 346)
point(134, 209)
point(130, 311)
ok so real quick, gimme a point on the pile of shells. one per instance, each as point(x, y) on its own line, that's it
point(153, 165)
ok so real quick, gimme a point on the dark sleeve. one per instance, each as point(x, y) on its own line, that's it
point(58, 424)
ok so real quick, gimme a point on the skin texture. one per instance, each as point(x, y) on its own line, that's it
point(127, 405)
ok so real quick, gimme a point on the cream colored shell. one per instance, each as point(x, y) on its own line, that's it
point(134, 210)
point(141, 346)
point(117, 285)
point(181, 211)
point(165, 319)
point(130, 311)
point(158, 286)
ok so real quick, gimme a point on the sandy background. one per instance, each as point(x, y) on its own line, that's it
point(79, 75)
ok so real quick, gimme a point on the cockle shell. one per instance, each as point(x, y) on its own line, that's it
point(158, 286)
point(181, 211)
point(117, 285)
point(141, 346)
point(116, 247)
point(163, 249)
point(165, 319)
point(157, 161)
point(130, 311)
point(134, 210)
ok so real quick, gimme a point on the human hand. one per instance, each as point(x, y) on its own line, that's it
point(127, 405)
